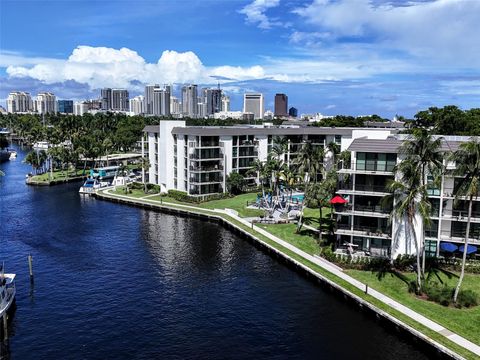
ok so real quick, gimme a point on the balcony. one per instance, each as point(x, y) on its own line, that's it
point(370, 231)
point(206, 155)
point(369, 167)
point(213, 178)
point(206, 168)
point(372, 188)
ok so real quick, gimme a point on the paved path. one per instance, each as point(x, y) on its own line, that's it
point(332, 268)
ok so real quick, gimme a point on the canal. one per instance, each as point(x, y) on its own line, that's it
point(116, 282)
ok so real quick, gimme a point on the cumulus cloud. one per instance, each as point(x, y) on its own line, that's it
point(440, 30)
point(255, 13)
point(101, 66)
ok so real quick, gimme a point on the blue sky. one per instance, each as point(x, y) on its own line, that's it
point(353, 57)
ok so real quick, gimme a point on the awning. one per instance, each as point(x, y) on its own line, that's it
point(470, 249)
point(448, 247)
point(338, 200)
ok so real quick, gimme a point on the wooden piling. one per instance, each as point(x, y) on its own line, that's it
point(30, 266)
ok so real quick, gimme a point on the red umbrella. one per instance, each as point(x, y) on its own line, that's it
point(338, 200)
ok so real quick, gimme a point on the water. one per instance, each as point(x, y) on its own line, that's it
point(116, 282)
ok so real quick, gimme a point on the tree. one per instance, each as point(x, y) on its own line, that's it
point(467, 161)
point(258, 168)
point(408, 204)
point(306, 164)
point(422, 153)
point(235, 183)
point(145, 165)
point(124, 171)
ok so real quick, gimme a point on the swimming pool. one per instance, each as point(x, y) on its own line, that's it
point(298, 197)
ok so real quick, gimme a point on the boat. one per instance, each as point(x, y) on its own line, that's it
point(7, 292)
point(13, 154)
point(103, 173)
point(91, 185)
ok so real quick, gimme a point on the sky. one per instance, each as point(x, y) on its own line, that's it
point(351, 57)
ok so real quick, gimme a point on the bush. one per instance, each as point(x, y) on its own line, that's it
point(184, 197)
point(467, 298)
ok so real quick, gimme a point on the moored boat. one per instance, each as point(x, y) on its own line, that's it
point(91, 185)
point(7, 292)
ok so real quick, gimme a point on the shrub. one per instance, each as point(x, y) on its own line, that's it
point(467, 298)
point(182, 196)
point(442, 295)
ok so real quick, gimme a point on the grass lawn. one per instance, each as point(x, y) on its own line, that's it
point(306, 240)
point(465, 322)
point(237, 203)
point(57, 175)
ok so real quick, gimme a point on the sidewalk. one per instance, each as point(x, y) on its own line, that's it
point(326, 265)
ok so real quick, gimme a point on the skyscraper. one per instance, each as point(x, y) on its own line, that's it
point(148, 101)
point(213, 100)
point(253, 103)
point(65, 106)
point(46, 103)
point(136, 105)
point(225, 103)
point(175, 108)
point(281, 105)
point(106, 98)
point(119, 100)
point(293, 112)
point(161, 101)
point(190, 100)
point(19, 101)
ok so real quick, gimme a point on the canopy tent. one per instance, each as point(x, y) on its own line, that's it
point(448, 247)
point(338, 200)
point(470, 249)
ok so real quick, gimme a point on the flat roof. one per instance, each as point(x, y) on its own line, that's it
point(391, 144)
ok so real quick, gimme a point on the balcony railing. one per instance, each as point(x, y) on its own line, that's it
point(370, 165)
point(206, 156)
point(206, 180)
point(372, 230)
point(371, 208)
point(206, 168)
point(371, 188)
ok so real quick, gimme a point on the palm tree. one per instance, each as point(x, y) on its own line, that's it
point(124, 171)
point(422, 150)
point(467, 160)
point(259, 168)
point(409, 202)
point(145, 165)
point(306, 164)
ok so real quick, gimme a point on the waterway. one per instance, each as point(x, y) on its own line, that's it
point(116, 282)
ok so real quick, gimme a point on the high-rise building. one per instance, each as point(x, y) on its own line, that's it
point(281, 105)
point(136, 105)
point(175, 106)
point(80, 108)
point(148, 104)
point(253, 103)
point(119, 100)
point(293, 112)
point(225, 103)
point(213, 100)
point(65, 106)
point(46, 103)
point(161, 102)
point(190, 101)
point(19, 101)
point(106, 98)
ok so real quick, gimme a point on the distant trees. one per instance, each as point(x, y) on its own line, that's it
point(449, 120)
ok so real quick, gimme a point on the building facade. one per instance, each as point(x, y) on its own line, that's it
point(65, 106)
point(19, 102)
point(190, 101)
point(364, 221)
point(281, 105)
point(136, 105)
point(254, 103)
point(46, 103)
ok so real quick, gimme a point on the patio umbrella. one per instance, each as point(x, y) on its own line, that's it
point(338, 200)
point(470, 249)
point(448, 247)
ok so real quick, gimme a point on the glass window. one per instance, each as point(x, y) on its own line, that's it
point(360, 161)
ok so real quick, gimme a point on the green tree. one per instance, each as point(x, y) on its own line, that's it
point(467, 162)
point(409, 203)
point(145, 165)
point(422, 151)
point(235, 183)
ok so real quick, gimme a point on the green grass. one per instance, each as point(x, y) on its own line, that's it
point(306, 240)
point(57, 175)
point(237, 203)
point(465, 322)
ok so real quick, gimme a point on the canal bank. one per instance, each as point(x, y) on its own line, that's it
point(432, 335)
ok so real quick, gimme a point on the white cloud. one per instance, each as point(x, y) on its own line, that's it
point(255, 13)
point(439, 31)
point(101, 66)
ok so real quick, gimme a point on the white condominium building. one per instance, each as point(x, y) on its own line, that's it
point(136, 105)
point(19, 101)
point(254, 103)
point(46, 103)
point(364, 220)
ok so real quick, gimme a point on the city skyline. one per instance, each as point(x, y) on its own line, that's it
point(335, 57)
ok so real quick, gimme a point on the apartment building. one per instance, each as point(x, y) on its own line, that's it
point(364, 220)
point(197, 160)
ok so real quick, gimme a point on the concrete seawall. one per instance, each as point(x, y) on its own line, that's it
point(429, 345)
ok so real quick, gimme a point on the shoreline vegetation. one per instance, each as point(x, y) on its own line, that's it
point(464, 322)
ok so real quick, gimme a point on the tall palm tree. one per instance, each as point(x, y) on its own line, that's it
point(145, 165)
point(467, 161)
point(409, 203)
point(259, 168)
point(306, 164)
point(423, 151)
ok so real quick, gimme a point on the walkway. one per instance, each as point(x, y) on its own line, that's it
point(333, 269)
